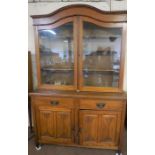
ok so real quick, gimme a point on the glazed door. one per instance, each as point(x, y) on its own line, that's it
point(99, 128)
point(56, 55)
point(101, 56)
point(55, 125)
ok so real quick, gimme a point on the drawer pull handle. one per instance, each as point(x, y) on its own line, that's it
point(54, 103)
point(100, 105)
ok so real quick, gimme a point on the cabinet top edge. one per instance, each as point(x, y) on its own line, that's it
point(80, 10)
point(74, 94)
point(80, 6)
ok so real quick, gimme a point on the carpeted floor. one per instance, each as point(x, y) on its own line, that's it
point(61, 150)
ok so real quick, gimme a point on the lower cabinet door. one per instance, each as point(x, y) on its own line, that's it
point(55, 125)
point(99, 128)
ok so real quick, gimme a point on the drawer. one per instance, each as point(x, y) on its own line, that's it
point(54, 102)
point(101, 104)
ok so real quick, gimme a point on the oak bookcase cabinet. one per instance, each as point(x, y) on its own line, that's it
point(80, 65)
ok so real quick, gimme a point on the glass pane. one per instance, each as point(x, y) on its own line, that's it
point(101, 55)
point(56, 55)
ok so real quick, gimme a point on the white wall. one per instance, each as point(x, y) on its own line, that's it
point(45, 8)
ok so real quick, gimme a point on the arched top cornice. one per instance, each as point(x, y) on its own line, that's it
point(80, 10)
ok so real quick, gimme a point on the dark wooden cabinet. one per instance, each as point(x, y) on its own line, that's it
point(80, 54)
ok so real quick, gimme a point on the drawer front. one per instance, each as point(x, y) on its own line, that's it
point(101, 104)
point(54, 102)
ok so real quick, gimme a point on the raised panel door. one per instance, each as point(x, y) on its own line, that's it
point(55, 124)
point(99, 128)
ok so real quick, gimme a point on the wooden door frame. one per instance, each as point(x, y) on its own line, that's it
point(122, 58)
point(51, 26)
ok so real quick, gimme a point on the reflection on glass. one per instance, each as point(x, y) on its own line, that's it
point(56, 55)
point(101, 55)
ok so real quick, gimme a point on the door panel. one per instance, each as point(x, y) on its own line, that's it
point(108, 128)
point(55, 124)
point(47, 123)
point(63, 124)
point(88, 127)
point(99, 128)
point(100, 55)
point(110, 122)
point(56, 55)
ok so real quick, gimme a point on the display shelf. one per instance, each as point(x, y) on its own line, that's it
point(56, 69)
point(57, 38)
point(100, 70)
point(112, 38)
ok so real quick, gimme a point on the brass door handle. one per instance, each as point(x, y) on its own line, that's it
point(54, 103)
point(100, 105)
